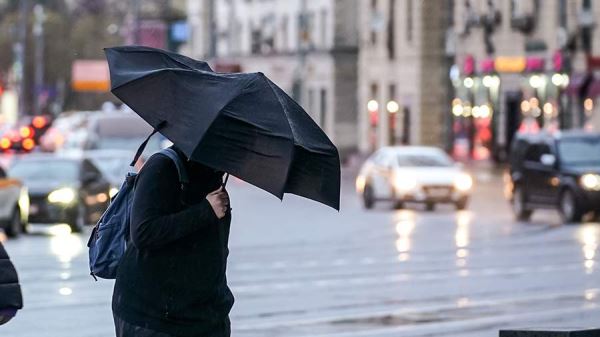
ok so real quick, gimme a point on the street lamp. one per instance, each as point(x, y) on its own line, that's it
point(468, 82)
point(372, 105)
point(392, 107)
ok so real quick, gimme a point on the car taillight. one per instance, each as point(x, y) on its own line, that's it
point(39, 122)
point(5, 143)
point(26, 132)
point(28, 144)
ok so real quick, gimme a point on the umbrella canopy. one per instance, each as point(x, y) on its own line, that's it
point(240, 123)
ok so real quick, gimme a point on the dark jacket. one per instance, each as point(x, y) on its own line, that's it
point(172, 276)
point(10, 291)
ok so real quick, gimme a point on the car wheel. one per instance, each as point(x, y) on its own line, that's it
point(461, 204)
point(522, 213)
point(78, 221)
point(430, 206)
point(569, 209)
point(368, 197)
point(14, 224)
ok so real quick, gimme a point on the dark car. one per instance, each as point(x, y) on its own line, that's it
point(63, 189)
point(555, 170)
point(113, 164)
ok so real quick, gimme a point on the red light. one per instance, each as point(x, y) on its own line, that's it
point(39, 122)
point(26, 132)
point(5, 143)
point(28, 144)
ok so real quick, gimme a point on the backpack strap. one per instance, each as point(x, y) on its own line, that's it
point(143, 145)
point(181, 170)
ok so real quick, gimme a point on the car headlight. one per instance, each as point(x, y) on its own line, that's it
point(404, 183)
point(63, 196)
point(590, 181)
point(113, 191)
point(463, 182)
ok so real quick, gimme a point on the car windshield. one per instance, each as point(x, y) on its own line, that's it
point(580, 151)
point(129, 144)
point(50, 170)
point(114, 168)
point(423, 160)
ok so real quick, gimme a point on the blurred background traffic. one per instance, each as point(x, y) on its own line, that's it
point(467, 129)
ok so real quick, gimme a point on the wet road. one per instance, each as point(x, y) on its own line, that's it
point(301, 269)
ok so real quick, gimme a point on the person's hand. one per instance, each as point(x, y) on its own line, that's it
point(219, 201)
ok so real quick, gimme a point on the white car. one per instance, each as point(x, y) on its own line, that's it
point(413, 174)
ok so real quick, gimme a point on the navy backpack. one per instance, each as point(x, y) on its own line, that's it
point(109, 237)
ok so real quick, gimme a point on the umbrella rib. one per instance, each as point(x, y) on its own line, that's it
point(287, 119)
point(155, 72)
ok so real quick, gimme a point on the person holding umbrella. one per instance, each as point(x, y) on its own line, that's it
point(171, 280)
point(10, 290)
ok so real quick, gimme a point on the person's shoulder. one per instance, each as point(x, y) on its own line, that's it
point(158, 163)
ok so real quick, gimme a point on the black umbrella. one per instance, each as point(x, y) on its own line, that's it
point(240, 123)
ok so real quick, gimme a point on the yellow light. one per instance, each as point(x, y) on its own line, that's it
point(457, 110)
point(537, 81)
point(525, 106)
point(557, 80)
point(5, 143)
point(535, 103)
point(64, 196)
point(372, 105)
point(475, 111)
point(468, 82)
point(591, 181)
point(456, 101)
point(467, 111)
point(28, 144)
point(360, 183)
point(487, 81)
point(548, 109)
point(484, 111)
point(392, 107)
point(490, 81)
point(101, 197)
point(463, 182)
point(588, 104)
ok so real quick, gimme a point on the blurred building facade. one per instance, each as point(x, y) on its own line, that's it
point(309, 48)
point(403, 89)
point(521, 65)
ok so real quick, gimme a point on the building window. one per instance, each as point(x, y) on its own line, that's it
point(373, 111)
point(391, 107)
point(255, 39)
point(323, 111)
point(409, 20)
point(391, 36)
point(372, 23)
point(406, 126)
point(324, 28)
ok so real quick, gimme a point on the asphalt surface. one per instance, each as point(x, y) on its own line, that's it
point(301, 269)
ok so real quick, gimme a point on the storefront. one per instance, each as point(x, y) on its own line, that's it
point(505, 95)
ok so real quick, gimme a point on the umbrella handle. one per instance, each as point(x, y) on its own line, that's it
point(225, 181)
